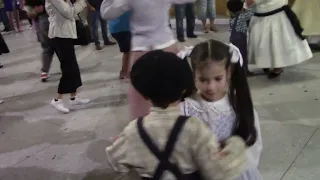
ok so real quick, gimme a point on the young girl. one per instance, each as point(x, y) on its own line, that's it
point(164, 145)
point(223, 100)
point(150, 31)
point(275, 37)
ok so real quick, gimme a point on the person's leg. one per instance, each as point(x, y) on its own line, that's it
point(202, 14)
point(124, 41)
point(10, 17)
point(17, 18)
point(179, 13)
point(5, 20)
point(104, 31)
point(191, 20)
point(138, 105)
point(71, 79)
point(211, 14)
point(47, 56)
point(47, 49)
point(95, 25)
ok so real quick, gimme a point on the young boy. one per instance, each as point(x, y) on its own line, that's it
point(163, 140)
point(120, 31)
point(239, 21)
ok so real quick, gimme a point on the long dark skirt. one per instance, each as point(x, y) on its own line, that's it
point(3, 46)
point(71, 78)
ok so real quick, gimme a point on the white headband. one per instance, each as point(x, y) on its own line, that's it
point(233, 50)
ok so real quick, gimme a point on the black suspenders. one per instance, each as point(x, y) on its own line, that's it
point(163, 156)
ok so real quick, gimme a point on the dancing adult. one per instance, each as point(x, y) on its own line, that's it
point(275, 39)
point(150, 31)
point(308, 13)
point(62, 32)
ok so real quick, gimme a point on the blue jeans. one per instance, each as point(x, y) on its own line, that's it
point(95, 18)
point(181, 11)
point(4, 18)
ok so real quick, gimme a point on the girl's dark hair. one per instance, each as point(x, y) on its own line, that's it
point(162, 77)
point(239, 92)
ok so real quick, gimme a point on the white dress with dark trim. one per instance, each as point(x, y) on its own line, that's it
point(221, 119)
point(272, 40)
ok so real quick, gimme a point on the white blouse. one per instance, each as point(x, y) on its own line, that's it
point(62, 16)
point(220, 118)
point(149, 21)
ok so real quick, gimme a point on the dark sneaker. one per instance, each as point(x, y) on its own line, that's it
point(98, 47)
point(109, 43)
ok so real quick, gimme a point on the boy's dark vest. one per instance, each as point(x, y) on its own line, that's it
point(164, 156)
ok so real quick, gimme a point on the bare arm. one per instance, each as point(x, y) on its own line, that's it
point(65, 9)
point(111, 9)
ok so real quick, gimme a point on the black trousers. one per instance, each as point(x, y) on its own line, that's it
point(71, 79)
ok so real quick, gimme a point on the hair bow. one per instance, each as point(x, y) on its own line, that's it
point(235, 54)
point(185, 52)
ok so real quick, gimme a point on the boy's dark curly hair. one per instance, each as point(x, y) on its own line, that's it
point(162, 77)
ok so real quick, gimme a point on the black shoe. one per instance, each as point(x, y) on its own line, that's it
point(1, 65)
point(273, 75)
point(315, 47)
point(109, 43)
point(266, 70)
point(98, 47)
point(250, 74)
point(192, 36)
point(181, 39)
point(7, 29)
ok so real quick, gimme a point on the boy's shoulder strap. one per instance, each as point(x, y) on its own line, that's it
point(163, 156)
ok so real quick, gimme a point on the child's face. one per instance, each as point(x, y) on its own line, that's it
point(212, 81)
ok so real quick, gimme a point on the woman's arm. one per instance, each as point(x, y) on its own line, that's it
point(65, 9)
point(111, 9)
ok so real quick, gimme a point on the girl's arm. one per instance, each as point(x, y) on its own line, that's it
point(111, 9)
point(254, 152)
point(65, 9)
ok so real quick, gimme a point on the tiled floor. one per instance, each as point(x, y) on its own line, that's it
point(37, 142)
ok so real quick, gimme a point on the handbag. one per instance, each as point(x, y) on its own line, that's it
point(83, 33)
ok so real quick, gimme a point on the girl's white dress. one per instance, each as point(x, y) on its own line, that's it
point(273, 42)
point(220, 118)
